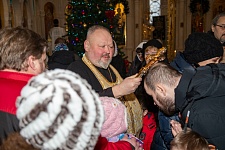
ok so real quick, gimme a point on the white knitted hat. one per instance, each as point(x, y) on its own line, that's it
point(59, 110)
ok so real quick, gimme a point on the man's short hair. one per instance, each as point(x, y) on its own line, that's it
point(215, 19)
point(93, 28)
point(161, 73)
point(17, 44)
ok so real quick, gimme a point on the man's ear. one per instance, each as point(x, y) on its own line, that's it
point(31, 62)
point(161, 89)
point(86, 45)
point(212, 28)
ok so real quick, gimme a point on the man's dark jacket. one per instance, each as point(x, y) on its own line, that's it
point(163, 135)
point(205, 99)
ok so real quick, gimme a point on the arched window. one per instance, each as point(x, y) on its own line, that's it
point(154, 9)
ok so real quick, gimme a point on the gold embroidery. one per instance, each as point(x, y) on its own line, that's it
point(134, 111)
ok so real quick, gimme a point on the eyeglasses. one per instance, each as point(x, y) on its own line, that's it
point(221, 26)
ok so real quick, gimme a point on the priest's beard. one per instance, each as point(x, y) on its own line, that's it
point(105, 64)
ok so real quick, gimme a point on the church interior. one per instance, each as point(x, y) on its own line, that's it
point(171, 21)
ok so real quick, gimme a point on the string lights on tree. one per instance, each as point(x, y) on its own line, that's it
point(82, 14)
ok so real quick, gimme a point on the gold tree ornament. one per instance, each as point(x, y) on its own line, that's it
point(68, 9)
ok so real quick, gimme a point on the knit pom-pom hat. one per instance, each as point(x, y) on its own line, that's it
point(115, 117)
point(202, 46)
point(59, 110)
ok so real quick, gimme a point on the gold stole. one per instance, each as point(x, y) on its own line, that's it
point(134, 111)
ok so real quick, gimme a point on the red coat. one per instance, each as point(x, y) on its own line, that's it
point(148, 130)
point(103, 144)
point(11, 84)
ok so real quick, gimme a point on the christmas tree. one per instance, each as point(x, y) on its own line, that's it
point(81, 14)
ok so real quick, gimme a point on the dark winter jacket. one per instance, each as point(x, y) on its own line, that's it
point(163, 135)
point(179, 63)
point(205, 99)
point(61, 59)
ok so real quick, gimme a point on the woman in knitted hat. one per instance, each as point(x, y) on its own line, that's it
point(59, 110)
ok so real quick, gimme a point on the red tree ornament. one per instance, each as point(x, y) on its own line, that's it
point(109, 14)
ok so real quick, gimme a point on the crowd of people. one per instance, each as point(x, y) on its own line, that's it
point(61, 102)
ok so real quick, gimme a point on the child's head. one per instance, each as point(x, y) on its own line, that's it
point(146, 105)
point(189, 140)
point(59, 110)
point(115, 117)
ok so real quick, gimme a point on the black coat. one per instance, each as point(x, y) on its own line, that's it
point(82, 69)
point(205, 99)
point(61, 59)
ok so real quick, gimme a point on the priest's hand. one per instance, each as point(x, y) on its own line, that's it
point(127, 86)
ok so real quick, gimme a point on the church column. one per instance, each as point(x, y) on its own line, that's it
point(182, 22)
point(41, 22)
point(5, 11)
point(134, 28)
point(130, 29)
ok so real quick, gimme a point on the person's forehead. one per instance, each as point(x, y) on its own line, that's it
point(221, 20)
point(101, 36)
point(101, 33)
point(150, 47)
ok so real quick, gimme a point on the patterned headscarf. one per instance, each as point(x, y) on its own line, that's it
point(61, 46)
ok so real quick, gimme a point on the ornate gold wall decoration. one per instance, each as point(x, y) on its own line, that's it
point(120, 24)
point(171, 52)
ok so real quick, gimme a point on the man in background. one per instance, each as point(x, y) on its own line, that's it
point(55, 33)
point(218, 29)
